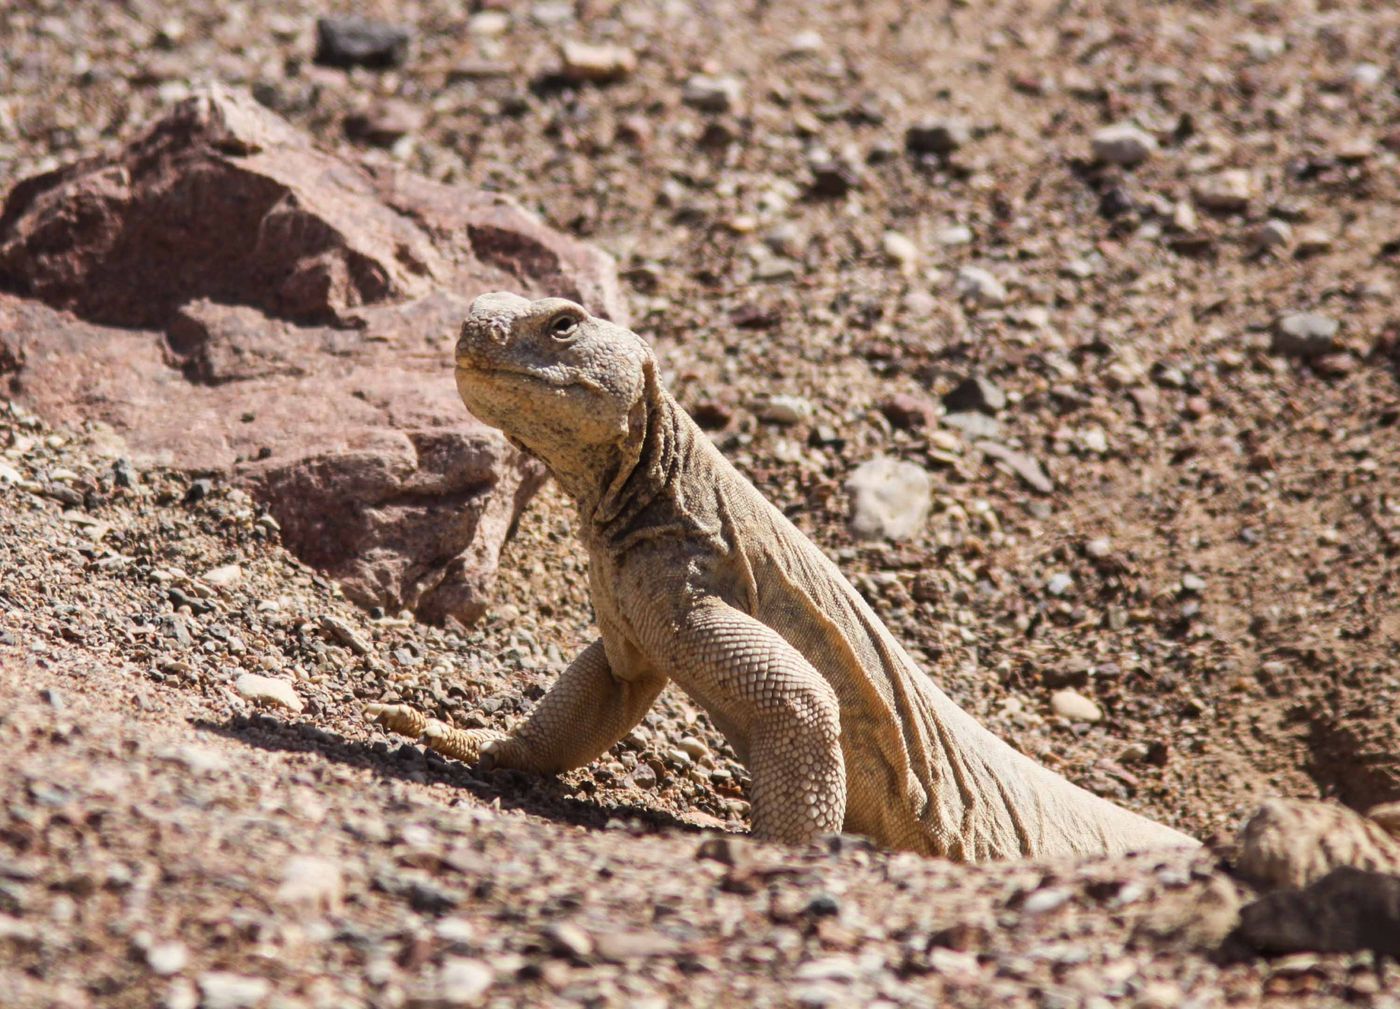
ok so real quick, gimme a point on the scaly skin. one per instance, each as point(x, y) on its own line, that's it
point(696, 578)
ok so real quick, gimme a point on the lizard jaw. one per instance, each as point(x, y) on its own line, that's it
point(475, 369)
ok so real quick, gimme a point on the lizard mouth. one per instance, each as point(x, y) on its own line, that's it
point(494, 371)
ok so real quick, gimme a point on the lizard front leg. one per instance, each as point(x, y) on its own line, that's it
point(586, 711)
point(751, 677)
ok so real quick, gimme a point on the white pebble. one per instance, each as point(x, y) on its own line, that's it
point(1073, 705)
point(266, 690)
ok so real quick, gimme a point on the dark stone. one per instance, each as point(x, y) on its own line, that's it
point(832, 179)
point(1346, 911)
point(712, 415)
point(909, 413)
point(123, 475)
point(1116, 202)
point(936, 136)
point(199, 490)
point(360, 42)
point(964, 936)
point(975, 393)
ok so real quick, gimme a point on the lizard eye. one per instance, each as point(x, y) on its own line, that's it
point(563, 327)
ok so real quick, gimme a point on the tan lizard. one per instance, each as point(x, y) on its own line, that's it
point(696, 578)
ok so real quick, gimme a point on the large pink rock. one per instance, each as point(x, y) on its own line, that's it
point(223, 200)
point(231, 299)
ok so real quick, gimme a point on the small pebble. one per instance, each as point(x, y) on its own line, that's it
point(489, 24)
point(890, 498)
point(363, 42)
point(937, 136)
point(900, 250)
point(567, 939)
point(223, 990)
point(228, 574)
point(712, 94)
point(785, 410)
point(1272, 234)
point(343, 634)
point(462, 981)
point(597, 64)
point(1304, 334)
point(311, 881)
point(166, 958)
point(1073, 705)
point(954, 234)
point(266, 690)
point(1047, 899)
point(1123, 144)
point(1099, 547)
point(1227, 192)
point(980, 286)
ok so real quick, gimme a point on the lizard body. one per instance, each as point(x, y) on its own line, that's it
point(697, 578)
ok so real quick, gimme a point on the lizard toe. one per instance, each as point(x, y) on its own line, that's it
point(461, 744)
point(399, 718)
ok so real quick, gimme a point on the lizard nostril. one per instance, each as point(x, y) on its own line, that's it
point(491, 316)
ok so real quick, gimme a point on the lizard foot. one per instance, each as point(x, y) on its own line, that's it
point(468, 745)
point(400, 718)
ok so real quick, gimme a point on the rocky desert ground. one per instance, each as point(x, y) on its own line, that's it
point(1113, 283)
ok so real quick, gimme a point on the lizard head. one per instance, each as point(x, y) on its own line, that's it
point(571, 388)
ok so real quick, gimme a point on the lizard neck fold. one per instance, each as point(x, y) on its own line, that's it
point(655, 490)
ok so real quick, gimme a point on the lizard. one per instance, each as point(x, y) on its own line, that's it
point(696, 578)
